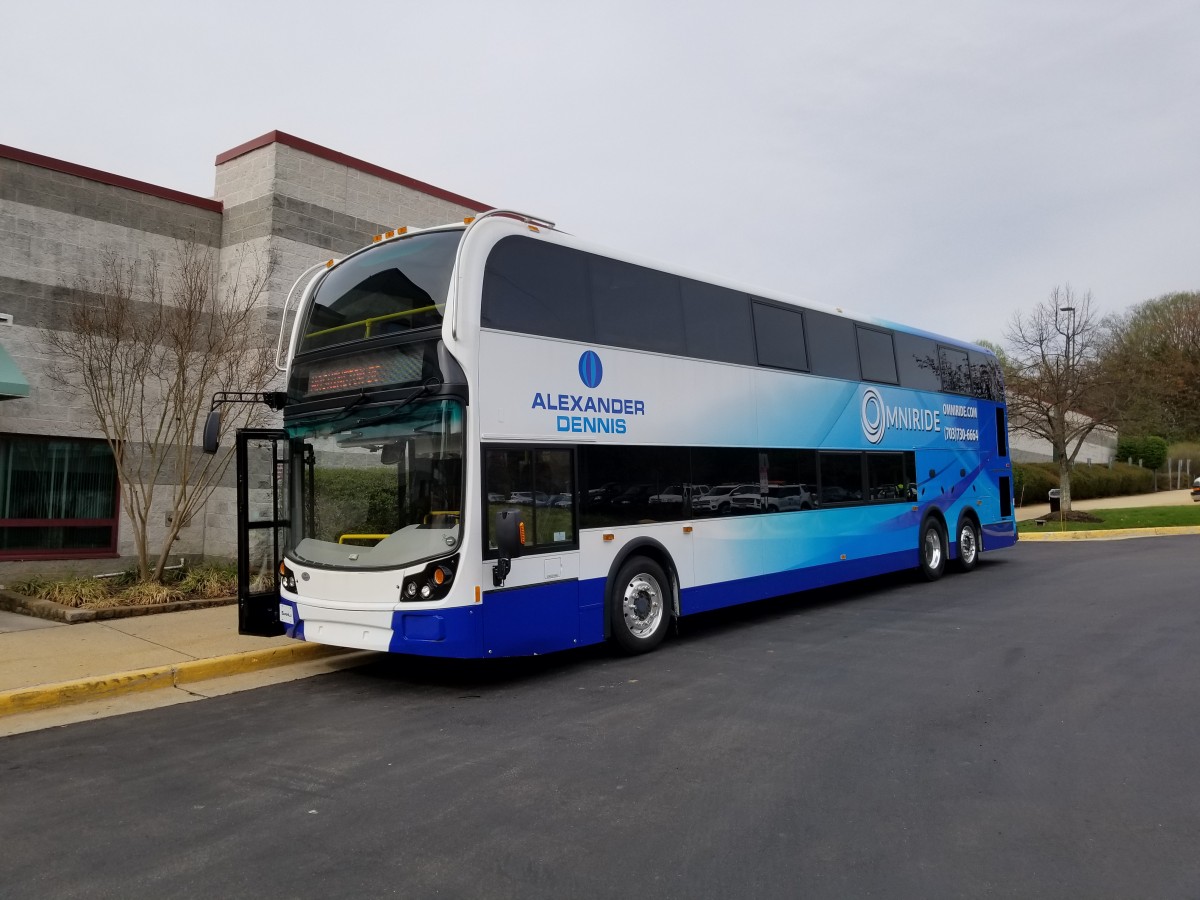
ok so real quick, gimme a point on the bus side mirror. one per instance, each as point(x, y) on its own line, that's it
point(212, 431)
point(510, 540)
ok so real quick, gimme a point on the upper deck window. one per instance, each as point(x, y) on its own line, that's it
point(535, 287)
point(397, 287)
point(779, 334)
point(876, 355)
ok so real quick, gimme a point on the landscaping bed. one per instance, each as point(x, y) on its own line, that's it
point(1102, 519)
point(87, 599)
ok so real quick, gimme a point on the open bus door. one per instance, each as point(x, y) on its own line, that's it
point(264, 467)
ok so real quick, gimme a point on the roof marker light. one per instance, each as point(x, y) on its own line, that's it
point(377, 239)
point(329, 265)
point(535, 229)
point(468, 220)
point(390, 234)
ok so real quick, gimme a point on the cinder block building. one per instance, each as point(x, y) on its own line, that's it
point(277, 194)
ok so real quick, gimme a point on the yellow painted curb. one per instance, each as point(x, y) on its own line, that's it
point(47, 695)
point(1106, 533)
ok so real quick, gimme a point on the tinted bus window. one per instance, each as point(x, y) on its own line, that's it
point(631, 485)
point(841, 478)
point(792, 480)
point(717, 323)
point(876, 355)
point(636, 307)
point(779, 336)
point(731, 476)
point(394, 288)
point(955, 370)
point(981, 376)
point(831, 345)
point(540, 483)
point(889, 477)
point(917, 362)
point(533, 287)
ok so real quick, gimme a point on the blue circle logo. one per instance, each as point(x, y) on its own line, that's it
point(590, 369)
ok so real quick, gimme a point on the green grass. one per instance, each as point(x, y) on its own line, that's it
point(1143, 517)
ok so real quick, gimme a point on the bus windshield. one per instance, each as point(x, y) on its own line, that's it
point(395, 287)
point(385, 487)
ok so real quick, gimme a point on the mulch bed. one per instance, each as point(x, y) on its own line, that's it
point(48, 609)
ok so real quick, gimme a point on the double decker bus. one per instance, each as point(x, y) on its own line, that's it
point(499, 439)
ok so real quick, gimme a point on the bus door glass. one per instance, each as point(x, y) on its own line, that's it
point(263, 505)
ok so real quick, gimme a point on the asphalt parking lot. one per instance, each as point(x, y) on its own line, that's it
point(1028, 730)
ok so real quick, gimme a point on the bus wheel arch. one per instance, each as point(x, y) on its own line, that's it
point(641, 596)
point(933, 546)
point(968, 542)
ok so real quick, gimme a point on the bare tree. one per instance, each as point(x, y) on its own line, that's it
point(1058, 387)
point(148, 344)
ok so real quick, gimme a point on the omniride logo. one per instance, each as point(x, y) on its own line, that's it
point(878, 417)
point(874, 416)
point(615, 409)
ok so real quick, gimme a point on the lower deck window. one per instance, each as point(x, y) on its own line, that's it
point(539, 482)
point(58, 498)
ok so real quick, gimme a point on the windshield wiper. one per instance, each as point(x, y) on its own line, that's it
point(430, 385)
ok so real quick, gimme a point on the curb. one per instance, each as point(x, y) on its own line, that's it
point(1108, 533)
point(96, 687)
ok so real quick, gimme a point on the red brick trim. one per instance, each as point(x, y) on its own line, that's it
point(129, 184)
point(288, 140)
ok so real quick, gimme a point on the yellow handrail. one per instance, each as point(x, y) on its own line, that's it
point(370, 321)
point(361, 537)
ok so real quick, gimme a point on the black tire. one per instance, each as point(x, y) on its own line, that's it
point(968, 545)
point(932, 550)
point(723, 509)
point(639, 605)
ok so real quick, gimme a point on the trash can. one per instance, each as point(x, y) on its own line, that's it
point(1055, 494)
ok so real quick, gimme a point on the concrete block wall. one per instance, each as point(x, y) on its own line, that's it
point(276, 195)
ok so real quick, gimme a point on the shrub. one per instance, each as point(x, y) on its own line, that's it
point(1150, 449)
point(150, 593)
point(77, 592)
point(1033, 481)
point(209, 581)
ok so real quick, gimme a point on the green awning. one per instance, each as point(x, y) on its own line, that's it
point(12, 382)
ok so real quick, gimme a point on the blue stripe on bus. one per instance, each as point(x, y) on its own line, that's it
point(729, 593)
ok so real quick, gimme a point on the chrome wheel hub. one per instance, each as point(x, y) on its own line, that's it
point(642, 605)
point(933, 549)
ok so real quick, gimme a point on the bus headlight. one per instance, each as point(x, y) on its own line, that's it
point(287, 578)
point(432, 583)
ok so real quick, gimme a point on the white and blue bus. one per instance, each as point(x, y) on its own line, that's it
point(499, 439)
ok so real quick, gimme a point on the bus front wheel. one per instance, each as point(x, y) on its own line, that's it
point(933, 549)
point(639, 605)
point(968, 545)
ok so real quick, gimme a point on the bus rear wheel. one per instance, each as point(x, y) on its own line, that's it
point(968, 546)
point(639, 605)
point(933, 549)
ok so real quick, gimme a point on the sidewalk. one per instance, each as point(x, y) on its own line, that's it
point(47, 664)
point(1159, 498)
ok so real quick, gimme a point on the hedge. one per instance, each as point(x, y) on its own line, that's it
point(1032, 482)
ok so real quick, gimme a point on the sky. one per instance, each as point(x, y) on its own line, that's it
point(940, 164)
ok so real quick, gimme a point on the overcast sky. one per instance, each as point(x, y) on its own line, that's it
point(939, 164)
